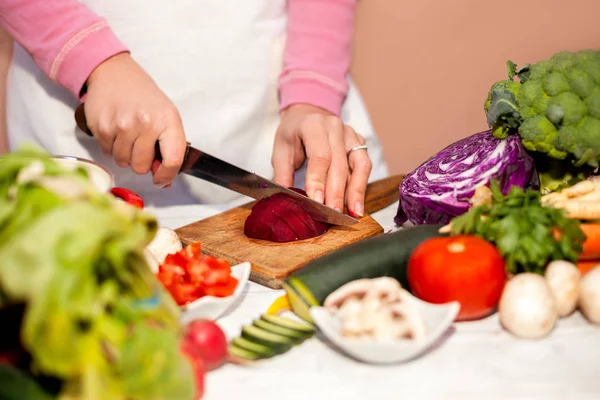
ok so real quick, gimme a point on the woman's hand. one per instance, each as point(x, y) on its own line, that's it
point(128, 114)
point(332, 174)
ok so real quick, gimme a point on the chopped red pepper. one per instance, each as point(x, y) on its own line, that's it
point(128, 196)
point(222, 289)
point(189, 275)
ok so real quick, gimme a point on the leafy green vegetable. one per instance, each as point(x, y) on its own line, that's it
point(555, 109)
point(527, 234)
point(17, 385)
point(74, 256)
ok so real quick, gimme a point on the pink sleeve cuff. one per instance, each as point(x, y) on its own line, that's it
point(310, 91)
point(316, 58)
point(79, 57)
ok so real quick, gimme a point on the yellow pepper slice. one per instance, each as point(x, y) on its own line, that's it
point(280, 304)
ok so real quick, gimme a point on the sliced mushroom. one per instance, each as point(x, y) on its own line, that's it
point(377, 308)
point(357, 288)
point(352, 317)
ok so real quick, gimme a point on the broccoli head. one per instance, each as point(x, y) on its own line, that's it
point(554, 107)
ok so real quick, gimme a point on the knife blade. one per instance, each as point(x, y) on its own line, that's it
point(212, 169)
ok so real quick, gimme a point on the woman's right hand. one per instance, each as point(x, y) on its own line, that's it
point(128, 114)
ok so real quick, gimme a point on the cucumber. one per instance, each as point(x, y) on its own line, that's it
point(297, 336)
point(385, 255)
point(288, 323)
point(261, 350)
point(269, 336)
point(275, 341)
point(243, 353)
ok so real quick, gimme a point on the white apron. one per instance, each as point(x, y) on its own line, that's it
point(218, 61)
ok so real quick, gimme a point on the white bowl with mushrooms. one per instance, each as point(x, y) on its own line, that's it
point(379, 322)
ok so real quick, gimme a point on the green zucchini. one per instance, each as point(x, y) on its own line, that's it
point(244, 354)
point(297, 336)
point(288, 323)
point(275, 341)
point(260, 349)
point(385, 255)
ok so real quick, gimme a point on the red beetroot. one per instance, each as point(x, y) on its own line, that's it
point(206, 341)
point(280, 218)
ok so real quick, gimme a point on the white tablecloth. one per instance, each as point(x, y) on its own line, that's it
point(477, 360)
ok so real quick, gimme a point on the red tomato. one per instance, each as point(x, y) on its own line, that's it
point(206, 341)
point(463, 268)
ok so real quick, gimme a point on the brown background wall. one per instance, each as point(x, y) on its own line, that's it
point(424, 67)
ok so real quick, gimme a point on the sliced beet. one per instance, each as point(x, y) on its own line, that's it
point(280, 218)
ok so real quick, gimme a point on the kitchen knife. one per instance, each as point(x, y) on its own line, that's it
point(204, 166)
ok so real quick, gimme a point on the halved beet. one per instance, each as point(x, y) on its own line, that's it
point(280, 218)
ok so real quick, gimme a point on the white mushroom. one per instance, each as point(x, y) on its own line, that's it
point(377, 308)
point(165, 242)
point(527, 308)
point(589, 295)
point(151, 260)
point(563, 279)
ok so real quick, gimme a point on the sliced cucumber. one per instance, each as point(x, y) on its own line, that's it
point(297, 336)
point(257, 335)
point(260, 349)
point(288, 323)
point(243, 353)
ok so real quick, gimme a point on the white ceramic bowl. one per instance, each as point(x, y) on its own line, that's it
point(210, 307)
point(437, 317)
point(100, 176)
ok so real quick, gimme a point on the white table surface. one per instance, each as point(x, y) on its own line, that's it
point(477, 360)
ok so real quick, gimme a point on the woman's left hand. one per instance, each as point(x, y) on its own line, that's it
point(334, 174)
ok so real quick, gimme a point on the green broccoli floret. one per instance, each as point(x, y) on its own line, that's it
point(554, 106)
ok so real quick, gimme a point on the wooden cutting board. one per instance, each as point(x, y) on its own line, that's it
point(222, 236)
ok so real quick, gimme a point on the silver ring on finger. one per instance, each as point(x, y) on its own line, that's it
point(360, 147)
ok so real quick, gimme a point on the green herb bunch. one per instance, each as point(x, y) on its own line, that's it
point(527, 234)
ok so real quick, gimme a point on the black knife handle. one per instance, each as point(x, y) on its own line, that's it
point(81, 122)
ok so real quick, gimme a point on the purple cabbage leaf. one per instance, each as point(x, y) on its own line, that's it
point(440, 188)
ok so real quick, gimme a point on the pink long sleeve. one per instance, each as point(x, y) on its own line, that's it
point(317, 54)
point(65, 38)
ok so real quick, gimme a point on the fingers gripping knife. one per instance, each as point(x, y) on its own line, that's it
point(204, 166)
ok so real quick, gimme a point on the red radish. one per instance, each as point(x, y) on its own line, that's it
point(205, 340)
point(197, 369)
point(280, 218)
